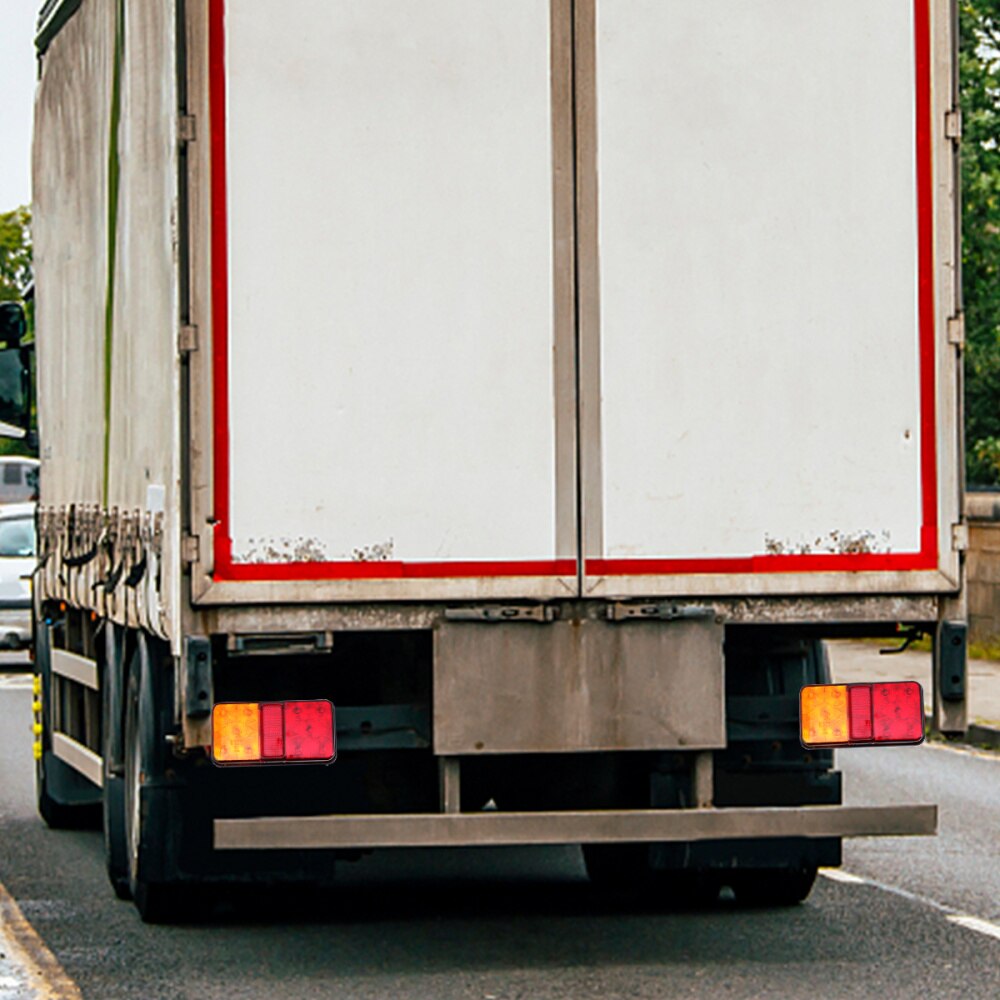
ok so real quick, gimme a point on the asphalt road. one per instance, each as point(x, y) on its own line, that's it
point(524, 923)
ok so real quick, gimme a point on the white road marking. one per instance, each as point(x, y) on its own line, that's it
point(839, 875)
point(27, 967)
point(966, 920)
point(975, 924)
point(966, 751)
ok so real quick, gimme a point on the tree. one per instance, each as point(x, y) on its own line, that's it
point(15, 277)
point(15, 253)
point(979, 67)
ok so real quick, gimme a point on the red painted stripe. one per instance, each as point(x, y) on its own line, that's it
point(220, 283)
point(394, 570)
point(869, 562)
point(925, 243)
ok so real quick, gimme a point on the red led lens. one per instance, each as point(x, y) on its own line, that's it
point(859, 707)
point(898, 712)
point(308, 730)
point(272, 732)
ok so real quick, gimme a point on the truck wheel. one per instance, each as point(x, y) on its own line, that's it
point(773, 886)
point(624, 869)
point(115, 847)
point(156, 902)
point(619, 868)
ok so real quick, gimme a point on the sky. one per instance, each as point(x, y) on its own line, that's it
point(17, 88)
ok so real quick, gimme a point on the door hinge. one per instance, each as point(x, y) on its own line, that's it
point(187, 339)
point(186, 129)
point(953, 124)
point(960, 536)
point(956, 330)
point(502, 613)
point(190, 549)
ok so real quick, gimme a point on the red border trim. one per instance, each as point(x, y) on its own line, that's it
point(225, 568)
point(924, 559)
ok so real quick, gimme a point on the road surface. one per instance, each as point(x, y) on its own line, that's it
point(913, 918)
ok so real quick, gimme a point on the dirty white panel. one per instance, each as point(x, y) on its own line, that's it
point(76, 240)
point(70, 233)
point(144, 388)
point(144, 424)
point(390, 293)
point(758, 253)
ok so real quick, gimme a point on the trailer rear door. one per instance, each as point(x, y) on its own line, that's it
point(385, 275)
point(772, 416)
point(580, 297)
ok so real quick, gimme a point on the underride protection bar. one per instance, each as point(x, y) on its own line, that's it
point(611, 826)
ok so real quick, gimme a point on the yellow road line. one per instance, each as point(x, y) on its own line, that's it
point(29, 952)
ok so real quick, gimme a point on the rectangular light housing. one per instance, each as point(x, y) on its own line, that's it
point(849, 715)
point(273, 732)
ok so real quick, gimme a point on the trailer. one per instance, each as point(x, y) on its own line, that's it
point(461, 423)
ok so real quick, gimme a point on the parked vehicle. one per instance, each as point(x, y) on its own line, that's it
point(453, 405)
point(18, 479)
point(17, 562)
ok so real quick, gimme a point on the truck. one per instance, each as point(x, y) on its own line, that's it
point(462, 423)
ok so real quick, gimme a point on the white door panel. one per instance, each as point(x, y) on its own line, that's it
point(760, 304)
point(390, 275)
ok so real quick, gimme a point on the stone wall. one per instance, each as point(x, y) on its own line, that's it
point(983, 566)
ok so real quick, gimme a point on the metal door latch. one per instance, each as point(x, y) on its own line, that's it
point(502, 613)
point(621, 611)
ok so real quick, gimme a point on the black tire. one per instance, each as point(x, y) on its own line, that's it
point(157, 902)
point(115, 847)
point(685, 889)
point(773, 886)
point(617, 868)
point(624, 870)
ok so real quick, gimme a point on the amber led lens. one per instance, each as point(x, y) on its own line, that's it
point(235, 732)
point(823, 715)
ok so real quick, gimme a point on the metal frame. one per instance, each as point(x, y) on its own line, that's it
point(612, 826)
point(949, 716)
point(577, 307)
point(79, 757)
point(813, 611)
point(51, 20)
point(75, 668)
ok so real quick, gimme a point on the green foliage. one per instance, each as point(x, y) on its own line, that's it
point(15, 258)
point(15, 277)
point(15, 253)
point(979, 67)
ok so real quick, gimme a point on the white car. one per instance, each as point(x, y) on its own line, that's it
point(17, 562)
point(18, 479)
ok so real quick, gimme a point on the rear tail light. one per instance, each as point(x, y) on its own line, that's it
point(847, 715)
point(273, 732)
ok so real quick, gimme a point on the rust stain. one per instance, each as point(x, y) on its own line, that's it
point(284, 550)
point(379, 552)
point(833, 543)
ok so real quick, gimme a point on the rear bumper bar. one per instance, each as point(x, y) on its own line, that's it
point(499, 828)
